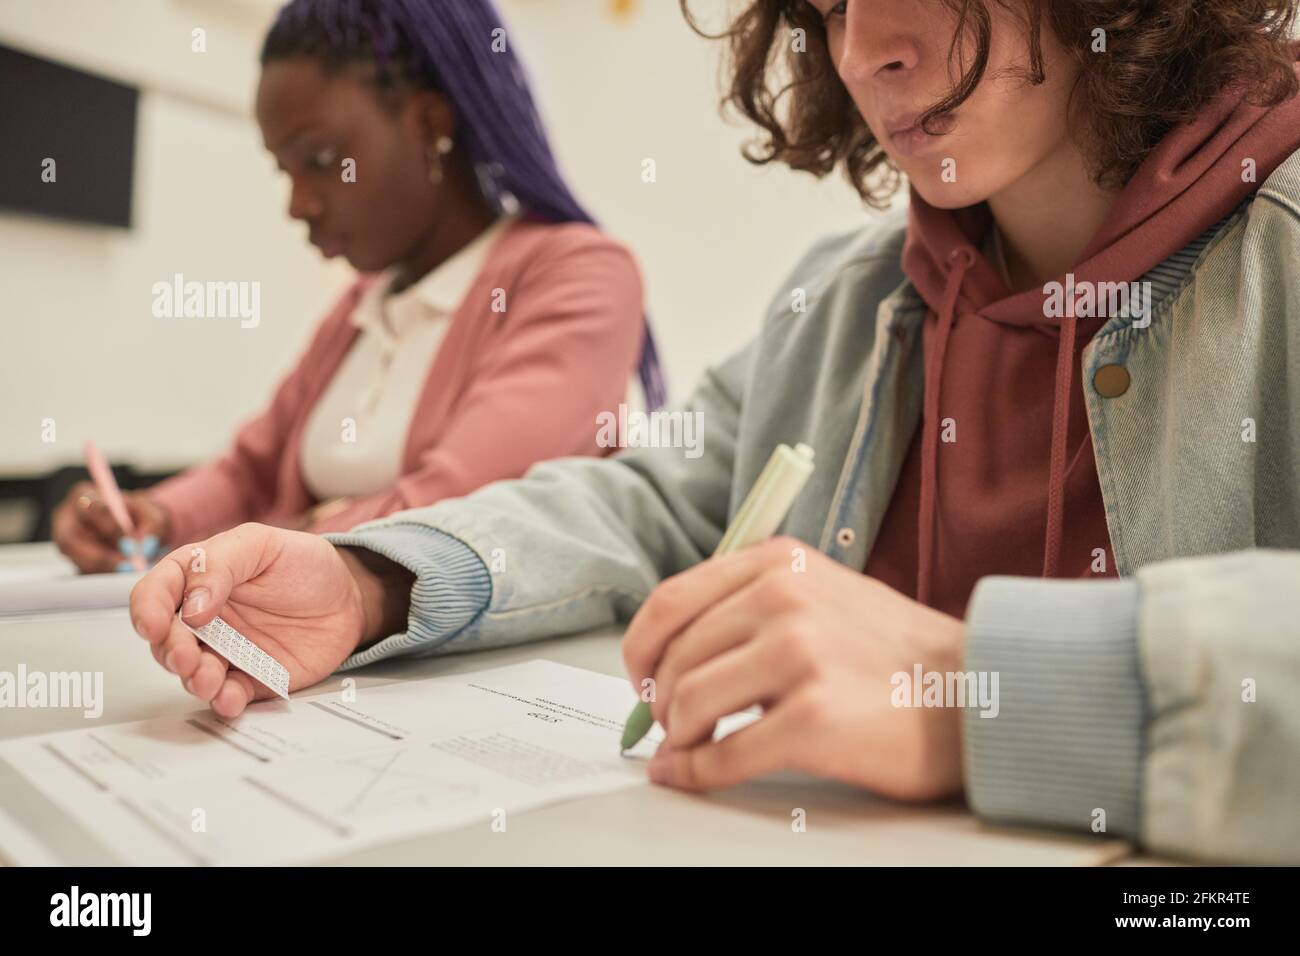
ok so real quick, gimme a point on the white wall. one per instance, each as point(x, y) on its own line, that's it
point(79, 343)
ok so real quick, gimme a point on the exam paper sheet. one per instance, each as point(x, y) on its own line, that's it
point(290, 781)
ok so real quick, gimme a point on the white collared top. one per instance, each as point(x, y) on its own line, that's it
point(354, 438)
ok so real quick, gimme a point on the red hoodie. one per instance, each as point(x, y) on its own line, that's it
point(1016, 492)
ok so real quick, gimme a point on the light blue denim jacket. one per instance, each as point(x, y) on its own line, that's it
point(1164, 705)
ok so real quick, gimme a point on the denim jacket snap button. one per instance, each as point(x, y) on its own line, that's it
point(1111, 381)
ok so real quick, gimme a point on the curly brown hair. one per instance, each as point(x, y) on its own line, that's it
point(1167, 59)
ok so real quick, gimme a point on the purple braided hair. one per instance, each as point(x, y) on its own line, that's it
point(460, 48)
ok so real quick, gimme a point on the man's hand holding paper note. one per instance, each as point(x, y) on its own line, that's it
point(292, 594)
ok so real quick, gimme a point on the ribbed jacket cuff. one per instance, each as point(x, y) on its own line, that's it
point(452, 586)
point(1068, 739)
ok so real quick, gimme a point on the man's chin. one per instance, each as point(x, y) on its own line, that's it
point(947, 195)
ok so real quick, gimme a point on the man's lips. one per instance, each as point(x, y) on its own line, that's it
point(902, 124)
point(907, 137)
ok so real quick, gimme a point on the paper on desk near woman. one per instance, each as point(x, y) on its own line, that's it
point(38, 594)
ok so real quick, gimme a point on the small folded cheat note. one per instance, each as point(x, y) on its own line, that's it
point(244, 654)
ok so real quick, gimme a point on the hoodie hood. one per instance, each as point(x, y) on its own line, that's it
point(1190, 181)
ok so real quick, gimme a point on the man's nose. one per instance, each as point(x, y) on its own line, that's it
point(875, 50)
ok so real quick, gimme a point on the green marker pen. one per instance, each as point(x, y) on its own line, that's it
point(761, 513)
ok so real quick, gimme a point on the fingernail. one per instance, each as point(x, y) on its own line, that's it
point(195, 602)
point(149, 545)
point(660, 767)
point(139, 627)
point(126, 546)
point(169, 661)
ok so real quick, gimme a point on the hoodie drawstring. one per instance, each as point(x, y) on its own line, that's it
point(1060, 430)
point(962, 259)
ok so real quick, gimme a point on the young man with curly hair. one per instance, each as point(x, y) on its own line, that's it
point(1055, 404)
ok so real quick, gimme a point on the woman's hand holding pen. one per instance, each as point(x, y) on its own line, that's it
point(817, 649)
point(296, 596)
point(84, 529)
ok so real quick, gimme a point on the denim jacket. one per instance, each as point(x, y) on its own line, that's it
point(1163, 706)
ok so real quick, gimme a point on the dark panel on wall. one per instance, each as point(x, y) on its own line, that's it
point(86, 124)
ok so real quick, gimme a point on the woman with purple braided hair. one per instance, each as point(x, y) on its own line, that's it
point(492, 323)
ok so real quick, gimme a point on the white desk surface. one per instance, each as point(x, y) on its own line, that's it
point(38, 559)
point(749, 824)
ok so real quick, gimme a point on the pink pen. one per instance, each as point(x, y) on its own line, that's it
point(106, 485)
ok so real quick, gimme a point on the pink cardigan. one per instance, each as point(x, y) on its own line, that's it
point(505, 390)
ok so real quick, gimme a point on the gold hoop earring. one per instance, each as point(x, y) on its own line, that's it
point(441, 148)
